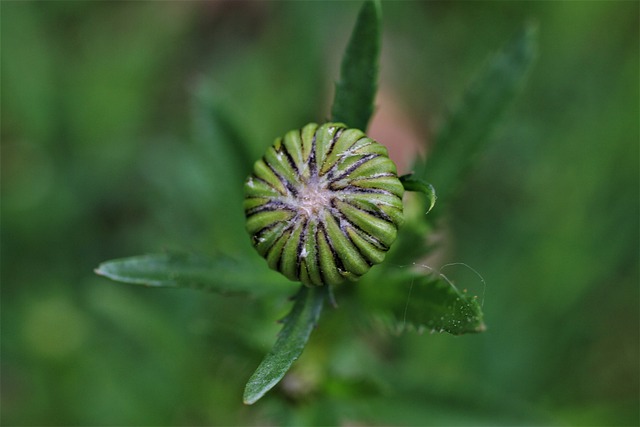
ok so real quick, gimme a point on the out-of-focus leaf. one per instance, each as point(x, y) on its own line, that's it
point(294, 335)
point(426, 302)
point(214, 130)
point(433, 409)
point(356, 90)
point(187, 270)
point(466, 132)
point(223, 159)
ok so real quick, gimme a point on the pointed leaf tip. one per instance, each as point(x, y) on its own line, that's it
point(297, 327)
point(410, 183)
point(356, 89)
point(191, 270)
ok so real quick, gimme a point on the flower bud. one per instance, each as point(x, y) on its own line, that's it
point(323, 204)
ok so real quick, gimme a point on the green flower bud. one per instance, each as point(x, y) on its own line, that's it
point(323, 204)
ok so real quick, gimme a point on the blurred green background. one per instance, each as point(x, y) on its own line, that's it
point(99, 161)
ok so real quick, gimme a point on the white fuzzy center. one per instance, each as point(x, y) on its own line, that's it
point(313, 198)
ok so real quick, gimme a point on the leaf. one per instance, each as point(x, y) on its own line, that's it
point(294, 335)
point(466, 132)
point(356, 90)
point(215, 131)
point(188, 270)
point(410, 183)
point(428, 302)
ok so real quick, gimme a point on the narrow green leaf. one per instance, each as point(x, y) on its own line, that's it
point(410, 183)
point(294, 335)
point(187, 270)
point(356, 90)
point(466, 132)
point(428, 303)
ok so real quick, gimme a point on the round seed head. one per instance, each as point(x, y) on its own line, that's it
point(323, 204)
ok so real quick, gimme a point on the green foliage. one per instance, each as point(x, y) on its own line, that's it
point(466, 132)
point(121, 139)
point(427, 303)
point(296, 329)
point(189, 270)
point(356, 90)
point(439, 307)
point(410, 183)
